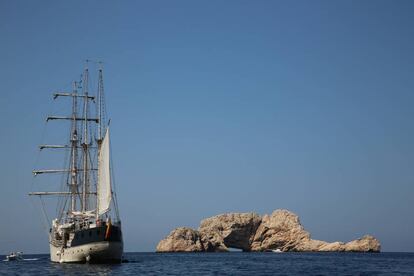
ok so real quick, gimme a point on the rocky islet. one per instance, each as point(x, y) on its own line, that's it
point(281, 230)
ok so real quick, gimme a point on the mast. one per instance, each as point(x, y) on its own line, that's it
point(74, 149)
point(100, 126)
point(100, 104)
point(85, 187)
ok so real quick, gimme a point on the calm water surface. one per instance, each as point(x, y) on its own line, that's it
point(234, 263)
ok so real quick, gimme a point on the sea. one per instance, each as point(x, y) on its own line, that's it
point(231, 263)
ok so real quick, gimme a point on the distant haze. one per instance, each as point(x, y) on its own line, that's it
point(221, 106)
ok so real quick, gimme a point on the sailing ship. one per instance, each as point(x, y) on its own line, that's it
point(87, 227)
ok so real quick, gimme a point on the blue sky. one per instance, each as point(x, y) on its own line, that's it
point(222, 106)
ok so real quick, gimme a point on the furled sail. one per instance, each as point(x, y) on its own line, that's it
point(104, 192)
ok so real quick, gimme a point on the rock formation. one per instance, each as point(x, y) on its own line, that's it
point(281, 230)
point(182, 239)
point(250, 232)
point(234, 230)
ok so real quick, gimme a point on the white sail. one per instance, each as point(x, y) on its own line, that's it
point(104, 192)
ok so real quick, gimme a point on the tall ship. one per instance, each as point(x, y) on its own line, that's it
point(86, 226)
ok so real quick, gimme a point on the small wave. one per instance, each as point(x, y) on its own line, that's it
point(32, 259)
point(130, 261)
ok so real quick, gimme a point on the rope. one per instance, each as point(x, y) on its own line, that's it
point(114, 185)
point(46, 224)
point(44, 221)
